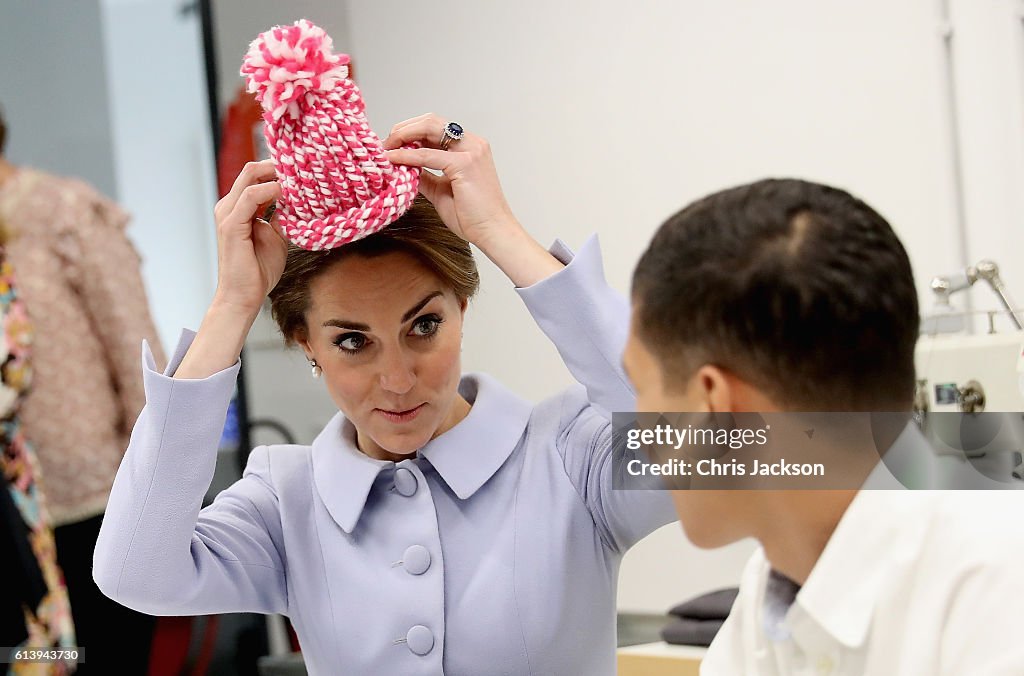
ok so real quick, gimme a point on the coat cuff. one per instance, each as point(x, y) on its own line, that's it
point(217, 388)
point(588, 322)
point(582, 272)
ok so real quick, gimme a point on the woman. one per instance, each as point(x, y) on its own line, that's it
point(438, 522)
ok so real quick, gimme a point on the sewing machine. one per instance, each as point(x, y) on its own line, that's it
point(960, 375)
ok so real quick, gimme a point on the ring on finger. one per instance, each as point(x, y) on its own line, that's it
point(453, 131)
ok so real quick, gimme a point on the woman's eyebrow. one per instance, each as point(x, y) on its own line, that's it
point(346, 324)
point(359, 326)
point(419, 306)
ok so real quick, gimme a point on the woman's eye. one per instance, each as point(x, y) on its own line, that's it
point(426, 326)
point(350, 342)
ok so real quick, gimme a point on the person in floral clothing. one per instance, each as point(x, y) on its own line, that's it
point(34, 608)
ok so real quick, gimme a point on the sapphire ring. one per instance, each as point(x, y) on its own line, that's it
point(453, 131)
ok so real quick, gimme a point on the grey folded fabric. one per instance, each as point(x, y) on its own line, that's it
point(691, 632)
point(711, 606)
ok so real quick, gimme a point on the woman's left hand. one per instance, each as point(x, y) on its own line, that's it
point(468, 197)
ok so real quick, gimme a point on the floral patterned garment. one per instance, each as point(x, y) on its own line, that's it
point(48, 623)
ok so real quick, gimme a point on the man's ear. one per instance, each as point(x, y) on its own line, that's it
point(715, 389)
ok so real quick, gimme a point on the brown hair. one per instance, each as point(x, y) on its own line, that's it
point(420, 232)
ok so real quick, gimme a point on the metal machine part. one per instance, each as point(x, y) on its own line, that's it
point(945, 286)
point(965, 375)
point(971, 398)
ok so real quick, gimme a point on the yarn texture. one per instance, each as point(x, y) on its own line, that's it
point(337, 184)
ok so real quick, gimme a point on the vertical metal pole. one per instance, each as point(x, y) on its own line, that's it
point(956, 158)
point(210, 61)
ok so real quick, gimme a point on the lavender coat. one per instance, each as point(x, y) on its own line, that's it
point(494, 551)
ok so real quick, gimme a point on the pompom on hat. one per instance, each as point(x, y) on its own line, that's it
point(337, 184)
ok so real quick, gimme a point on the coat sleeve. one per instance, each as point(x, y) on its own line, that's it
point(159, 552)
point(588, 322)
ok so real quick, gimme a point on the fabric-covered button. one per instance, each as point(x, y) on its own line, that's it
point(405, 482)
point(416, 560)
point(420, 640)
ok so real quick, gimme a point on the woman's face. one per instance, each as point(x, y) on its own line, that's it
point(387, 333)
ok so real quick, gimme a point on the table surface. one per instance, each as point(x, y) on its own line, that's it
point(660, 659)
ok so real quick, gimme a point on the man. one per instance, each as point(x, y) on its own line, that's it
point(789, 296)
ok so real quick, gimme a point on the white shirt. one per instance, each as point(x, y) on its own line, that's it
point(911, 582)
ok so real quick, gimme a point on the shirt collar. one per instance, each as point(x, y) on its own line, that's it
point(873, 543)
point(465, 456)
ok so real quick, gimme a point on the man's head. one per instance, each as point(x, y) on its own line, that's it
point(796, 293)
point(774, 296)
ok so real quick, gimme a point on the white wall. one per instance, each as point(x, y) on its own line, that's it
point(54, 91)
point(607, 117)
point(162, 152)
point(113, 92)
point(238, 22)
point(988, 49)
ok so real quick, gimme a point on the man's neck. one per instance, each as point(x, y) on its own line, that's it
point(797, 527)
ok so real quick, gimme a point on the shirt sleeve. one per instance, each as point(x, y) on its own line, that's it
point(102, 265)
point(588, 321)
point(159, 552)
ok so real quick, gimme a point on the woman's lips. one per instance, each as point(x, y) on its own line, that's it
point(400, 416)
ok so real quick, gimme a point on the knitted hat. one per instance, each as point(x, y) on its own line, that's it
point(337, 184)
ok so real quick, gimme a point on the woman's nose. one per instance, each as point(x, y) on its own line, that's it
point(397, 375)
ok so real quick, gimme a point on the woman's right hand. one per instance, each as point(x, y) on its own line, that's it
point(250, 251)
point(250, 259)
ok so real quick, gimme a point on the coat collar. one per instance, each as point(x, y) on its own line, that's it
point(465, 456)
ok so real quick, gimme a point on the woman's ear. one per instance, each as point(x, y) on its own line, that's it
point(302, 340)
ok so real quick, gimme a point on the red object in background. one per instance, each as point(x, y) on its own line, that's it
point(241, 139)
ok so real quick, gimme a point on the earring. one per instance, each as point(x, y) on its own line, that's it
point(315, 368)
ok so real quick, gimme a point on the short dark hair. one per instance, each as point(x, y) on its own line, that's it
point(799, 288)
point(3, 132)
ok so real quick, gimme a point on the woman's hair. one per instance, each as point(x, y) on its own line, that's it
point(420, 232)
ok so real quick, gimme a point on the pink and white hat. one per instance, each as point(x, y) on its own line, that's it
point(337, 184)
